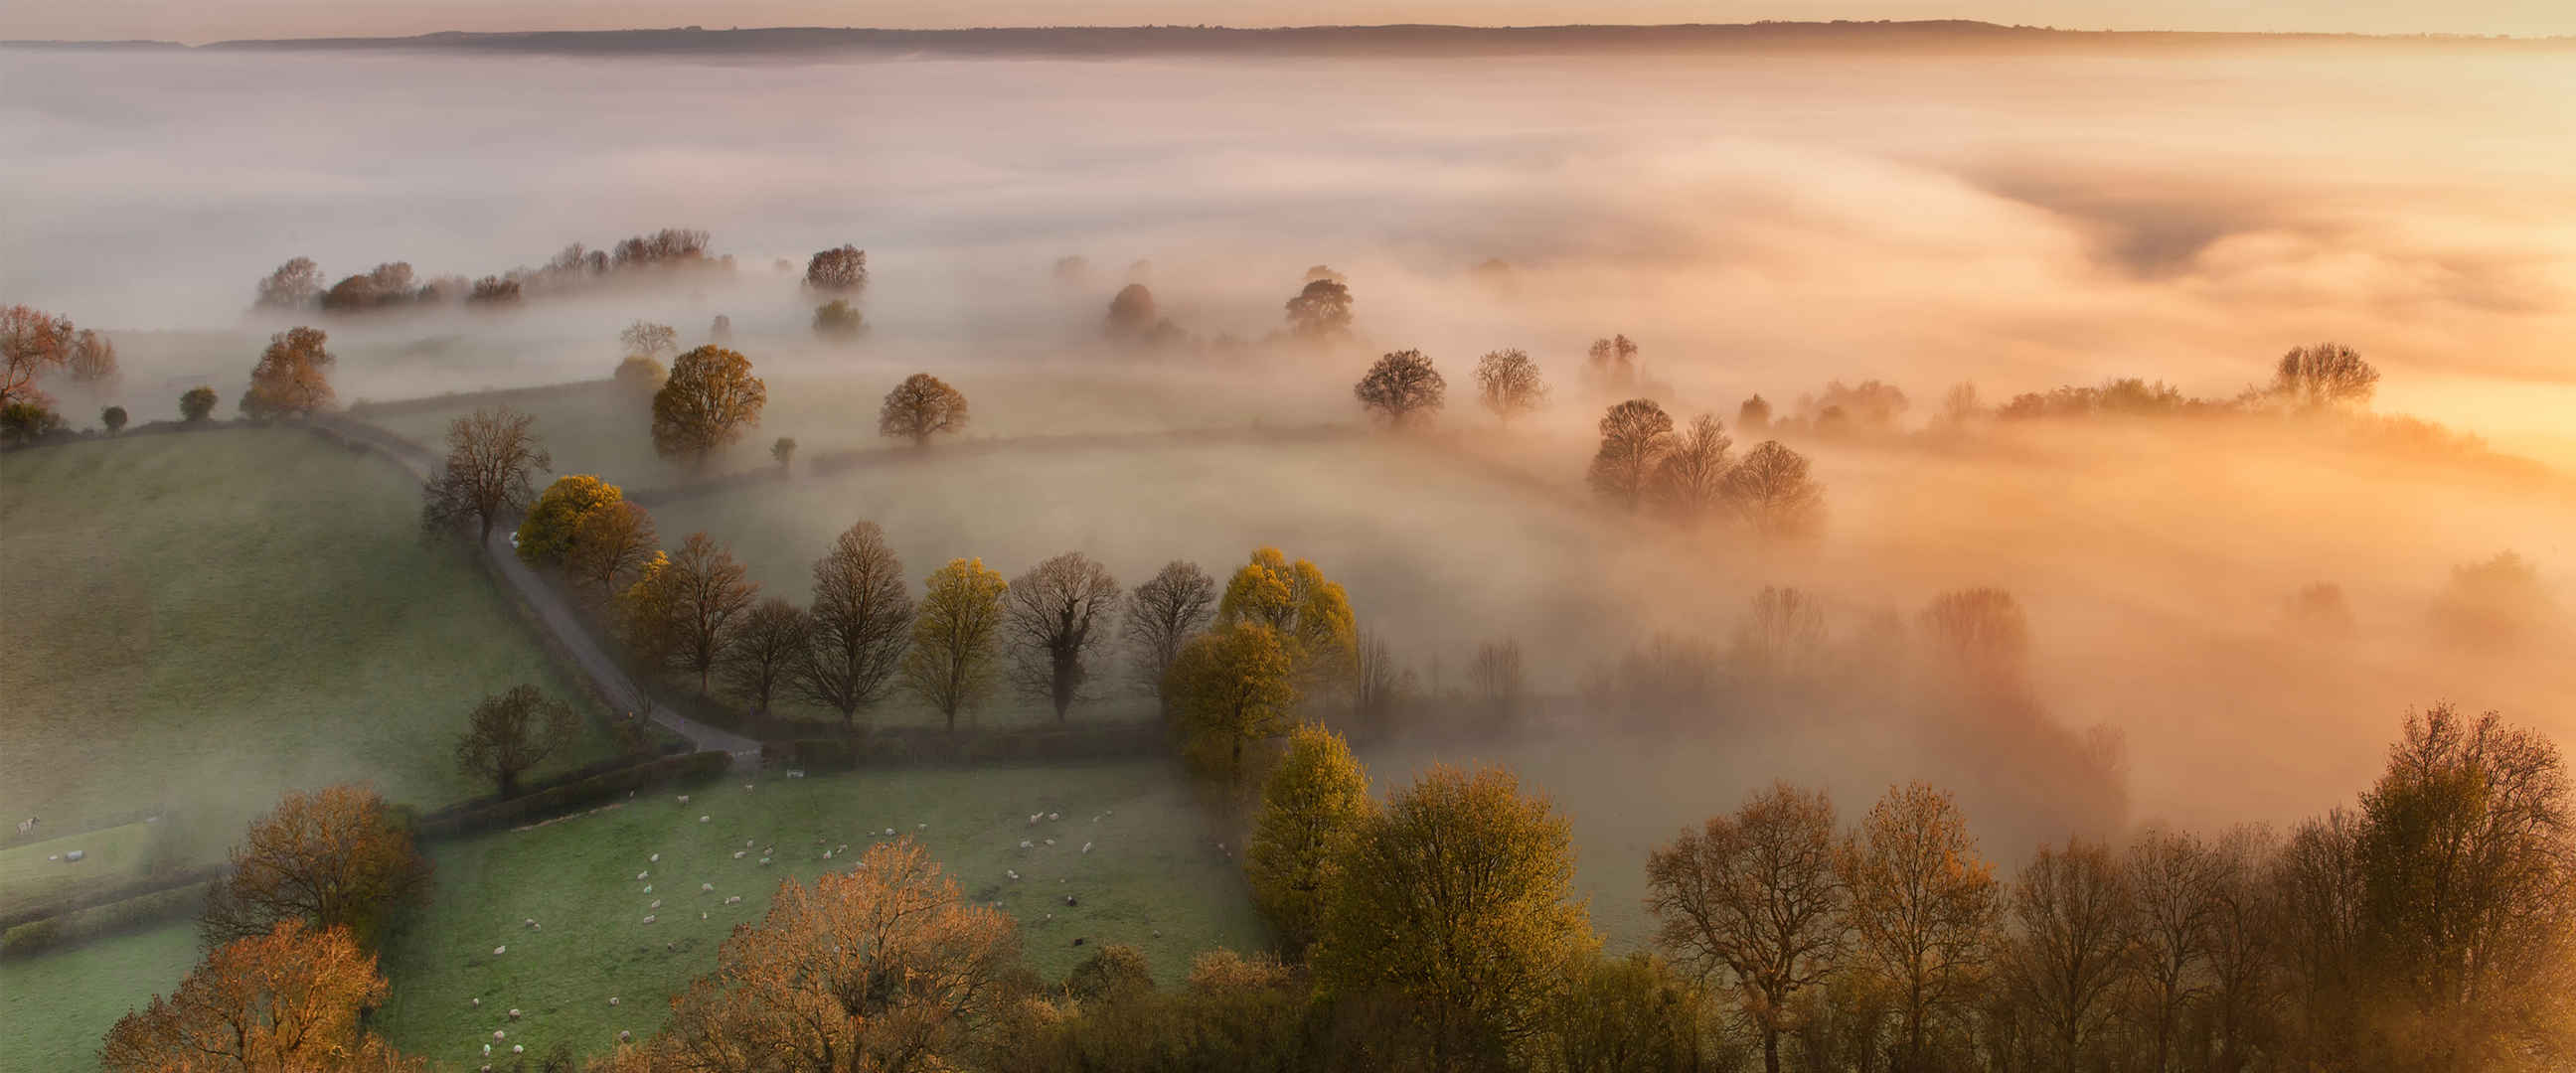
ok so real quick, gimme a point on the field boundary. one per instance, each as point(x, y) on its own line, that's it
point(365, 410)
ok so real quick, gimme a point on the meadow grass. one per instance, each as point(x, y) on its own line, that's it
point(203, 620)
point(1153, 879)
point(58, 1005)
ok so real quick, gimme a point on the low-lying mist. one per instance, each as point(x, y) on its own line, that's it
point(1756, 225)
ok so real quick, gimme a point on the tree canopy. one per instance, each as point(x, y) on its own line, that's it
point(1508, 383)
point(293, 377)
point(288, 998)
point(861, 622)
point(549, 531)
point(512, 732)
point(710, 399)
point(921, 407)
point(1311, 806)
point(1056, 617)
point(950, 665)
point(334, 858)
point(1312, 615)
point(490, 454)
point(1402, 387)
point(1320, 311)
point(840, 270)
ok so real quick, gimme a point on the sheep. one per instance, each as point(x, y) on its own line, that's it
point(746, 843)
point(1086, 847)
point(623, 1035)
point(1033, 818)
point(487, 1053)
point(514, 1013)
point(702, 817)
point(1013, 873)
point(889, 832)
point(500, 950)
point(702, 914)
point(746, 786)
point(657, 858)
point(1050, 841)
point(657, 904)
point(612, 1000)
point(1069, 902)
point(648, 888)
point(518, 1048)
point(764, 860)
point(648, 918)
point(1024, 844)
point(1054, 816)
point(498, 1034)
point(733, 899)
point(684, 799)
point(478, 1003)
point(706, 888)
point(639, 876)
point(921, 826)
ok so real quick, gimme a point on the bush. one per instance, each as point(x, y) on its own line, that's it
point(98, 921)
point(837, 319)
point(27, 422)
point(198, 404)
point(114, 418)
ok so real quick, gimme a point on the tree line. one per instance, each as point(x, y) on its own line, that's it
point(299, 283)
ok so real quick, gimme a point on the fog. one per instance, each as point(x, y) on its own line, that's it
point(1755, 224)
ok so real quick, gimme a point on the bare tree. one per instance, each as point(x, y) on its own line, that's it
point(1508, 383)
point(862, 620)
point(1402, 386)
point(1162, 615)
point(1690, 480)
point(93, 360)
point(921, 407)
point(1755, 897)
point(1634, 436)
point(2071, 949)
point(2174, 878)
point(710, 591)
point(294, 285)
point(1980, 634)
point(645, 339)
point(1773, 493)
point(1379, 684)
point(1497, 676)
point(1055, 617)
point(2324, 375)
point(513, 732)
point(768, 647)
point(490, 454)
point(1782, 633)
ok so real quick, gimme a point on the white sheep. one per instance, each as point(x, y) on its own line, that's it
point(684, 799)
point(517, 1048)
point(648, 918)
point(1024, 844)
point(639, 876)
point(1054, 816)
point(1086, 847)
point(921, 826)
point(704, 818)
point(1050, 841)
point(1033, 818)
point(737, 854)
point(498, 1034)
point(706, 888)
point(1013, 873)
point(889, 832)
point(500, 950)
point(657, 858)
point(764, 860)
point(746, 843)
point(478, 1003)
point(514, 1013)
point(487, 1052)
point(657, 904)
point(648, 888)
point(612, 1000)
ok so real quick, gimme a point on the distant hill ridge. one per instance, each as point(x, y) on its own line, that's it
point(1950, 35)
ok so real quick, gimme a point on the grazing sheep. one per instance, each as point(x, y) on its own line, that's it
point(639, 876)
point(889, 832)
point(702, 914)
point(1033, 818)
point(1054, 816)
point(746, 843)
point(731, 900)
point(514, 1013)
point(624, 1035)
point(1050, 841)
point(648, 888)
point(706, 888)
point(1069, 902)
point(921, 827)
point(478, 1003)
point(498, 1034)
point(764, 860)
point(657, 858)
point(657, 904)
point(827, 854)
point(1011, 873)
point(746, 786)
point(487, 1053)
point(1024, 844)
point(684, 799)
point(500, 950)
point(517, 1048)
point(704, 818)
point(1086, 847)
point(648, 918)
point(737, 854)
point(612, 1000)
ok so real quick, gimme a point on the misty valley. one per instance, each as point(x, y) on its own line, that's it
point(1944, 551)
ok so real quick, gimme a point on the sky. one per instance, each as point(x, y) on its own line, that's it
point(197, 21)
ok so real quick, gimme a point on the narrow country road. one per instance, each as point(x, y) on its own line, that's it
point(554, 613)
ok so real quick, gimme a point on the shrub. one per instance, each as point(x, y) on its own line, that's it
point(27, 422)
point(197, 404)
point(114, 418)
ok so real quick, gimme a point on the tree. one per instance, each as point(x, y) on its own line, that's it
point(709, 401)
point(641, 375)
point(2323, 376)
point(768, 648)
point(1690, 480)
point(1614, 362)
point(720, 329)
point(386, 284)
point(1162, 615)
point(1379, 684)
point(289, 998)
point(1754, 416)
point(783, 451)
point(1923, 911)
point(885, 968)
point(2174, 877)
point(843, 270)
point(1229, 688)
point(1980, 634)
point(334, 858)
point(1755, 896)
point(1116, 973)
point(294, 285)
point(489, 455)
point(1131, 313)
point(1321, 311)
point(547, 535)
point(1313, 803)
point(861, 623)
point(1508, 383)
point(2072, 947)
point(494, 291)
point(610, 541)
point(93, 359)
point(921, 407)
point(1312, 615)
point(1631, 1013)
point(1634, 436)
point(196, 404)
point(32, 343)
point(1056, 616)
point(647, 340)
point(1783, 633)
point(2466, 854)
point(838, 320)
point(1496, 676)
point(28, 422)
point(1402, 386)
point(293, 377)
point(1457, 899)
point(113, 418)
point(709, 593)
point(1772, 492)
point(950, 663)
point(511, 733)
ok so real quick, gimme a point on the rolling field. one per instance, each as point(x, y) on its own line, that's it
point(591, 881)
point(59, 1004)
point(202, 620)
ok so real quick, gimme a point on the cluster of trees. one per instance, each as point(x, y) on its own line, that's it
point(297, 285)
point(1644, 463)
point(708, 398)
point(33, 345)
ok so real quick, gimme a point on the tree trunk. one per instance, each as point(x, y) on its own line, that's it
point(1770, 1049)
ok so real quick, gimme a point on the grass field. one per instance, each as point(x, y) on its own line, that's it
point(202, 620)
point(1152, 869)
point(59, 1005)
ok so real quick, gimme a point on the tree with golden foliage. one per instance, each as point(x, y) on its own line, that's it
point(287, 999)
point(489, 455)
point(611, 541)
point(512, 732)
point(1311, 614)
point(334, 858)
point(1634, 436)
point(1314, 801)
point(293, 377)
point(950, 664)
point(1456, 900)
point(921, 407)
point(708, 402)
point(546, 535)
point(1754, 899)
point(1230, 688)
point(1923, 912)
point(884, 968)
